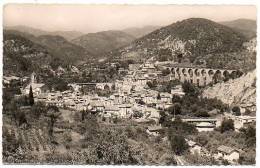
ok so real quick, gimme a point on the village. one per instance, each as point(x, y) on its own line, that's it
point(133, 99)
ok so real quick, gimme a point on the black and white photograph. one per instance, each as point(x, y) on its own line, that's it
point(124, 84)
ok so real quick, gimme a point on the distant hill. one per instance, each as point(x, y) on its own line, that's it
point(187, 39)
point(24, 52)
point(139, 32)
point(245, 26)
point(27, 29)
point(62, 49)
point(22, 55)
point(102, 42)
point(69, 35)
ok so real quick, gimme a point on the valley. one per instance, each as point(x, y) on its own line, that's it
point(182, 94)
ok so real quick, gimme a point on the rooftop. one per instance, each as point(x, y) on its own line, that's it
point(205, 124)
point(154, 128)
point(226, 149)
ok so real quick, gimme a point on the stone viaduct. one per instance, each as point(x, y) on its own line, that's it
point(203, 76)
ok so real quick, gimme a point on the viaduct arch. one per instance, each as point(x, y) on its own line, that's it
point(203, 76)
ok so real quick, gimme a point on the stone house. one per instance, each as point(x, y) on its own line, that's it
point(97, 106)
point(112, 110)
point(228, 153)
point(166, 97)
point(178, 91)
point(125, 110)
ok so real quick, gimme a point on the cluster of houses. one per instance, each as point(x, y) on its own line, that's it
point(223, 152)
point(209, 124)
point(128, 96)
point(132, 95)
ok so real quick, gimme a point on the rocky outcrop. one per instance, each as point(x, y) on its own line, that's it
point(240, 91)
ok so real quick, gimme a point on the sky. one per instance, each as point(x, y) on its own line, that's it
point(94, 18)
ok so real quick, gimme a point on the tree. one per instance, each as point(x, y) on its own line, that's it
point(10, 144)
point(164, 119)
point(83, 113)
point(141, 102)
point(250, 135)
point(163, 58)
point(202, 113)
point(53, 114)
point(176, 99)
point(236, 111)
point(38, 109)
point(84, 74)
point(113, 87)
point(179, 57)
point(226, 125)
point(21, 117)
point(178, 143)
point(158, 96)
point(31, 99)
point(58, 84)
point(164, 54)
point(225, 162)
point(166, 72)
point(189, 89)
point(175, 109)
point(247, 111)
point(106, 88)
point(137, 114)
point(182, 128)
point(152, 84)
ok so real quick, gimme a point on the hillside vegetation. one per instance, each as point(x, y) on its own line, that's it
point(62, 49)
point(26, 52)
point(22, 55)
point(190, 38)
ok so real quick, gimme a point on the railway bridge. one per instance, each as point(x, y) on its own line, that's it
point(203, 76)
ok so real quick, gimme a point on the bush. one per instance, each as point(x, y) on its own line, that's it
point(226, 125)
point(225, 162)
point(158, 96)
point(236, 111)
point(250, 135)
point(152, 84)
point(38, 109)
point(178, 143)
point(247, 112)
point(190, 89)
point(183, 128)
point(166, 72)
point(137, 114)
point(202, 113)
point(176, 99)
point(175, 109)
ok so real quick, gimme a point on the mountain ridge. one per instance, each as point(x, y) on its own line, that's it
point(245, 26)
point(189, 38)
point(69, 35)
